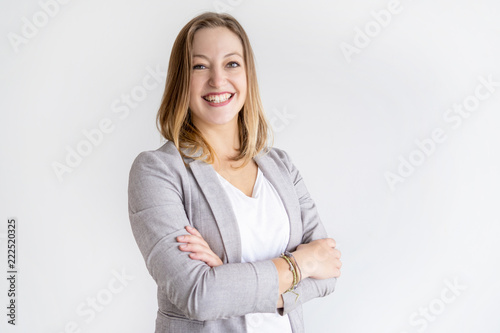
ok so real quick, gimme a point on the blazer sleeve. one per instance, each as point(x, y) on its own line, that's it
point(157, 217)
point(312, 229)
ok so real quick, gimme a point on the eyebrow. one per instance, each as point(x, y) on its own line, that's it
point(226, 56)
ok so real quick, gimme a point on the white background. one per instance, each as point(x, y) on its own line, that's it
point(349, 121)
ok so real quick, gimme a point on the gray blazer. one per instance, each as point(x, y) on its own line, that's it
point(165, 196)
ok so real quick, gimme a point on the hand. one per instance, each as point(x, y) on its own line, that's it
point(198, 247)
point(319, 259)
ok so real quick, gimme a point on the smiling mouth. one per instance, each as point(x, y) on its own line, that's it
point(219, 98)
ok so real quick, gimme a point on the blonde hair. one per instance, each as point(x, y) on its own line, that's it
point(174, 117)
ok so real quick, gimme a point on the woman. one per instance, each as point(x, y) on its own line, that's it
point(225, 223)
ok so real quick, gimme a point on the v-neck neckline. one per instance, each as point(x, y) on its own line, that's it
point(255, 186)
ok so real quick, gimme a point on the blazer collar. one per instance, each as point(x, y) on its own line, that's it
point(207, 179)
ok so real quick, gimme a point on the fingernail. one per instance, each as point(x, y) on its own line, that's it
point(180, 238)
point(189, 227)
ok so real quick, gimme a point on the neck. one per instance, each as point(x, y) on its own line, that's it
point(224, 139)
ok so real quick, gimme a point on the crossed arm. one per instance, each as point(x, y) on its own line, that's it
point(196, 282)
point(327, 266)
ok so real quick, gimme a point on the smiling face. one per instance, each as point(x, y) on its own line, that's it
point(218, 87)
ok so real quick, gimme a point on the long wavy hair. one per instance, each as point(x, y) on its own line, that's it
point(174, 116)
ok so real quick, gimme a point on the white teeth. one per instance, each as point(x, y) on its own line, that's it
point(217, 98)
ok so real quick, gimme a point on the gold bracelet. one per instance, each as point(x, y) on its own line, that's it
point(292, 269)
point(295, 276)
point(297, 268)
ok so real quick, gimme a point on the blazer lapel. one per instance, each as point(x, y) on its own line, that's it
point(284, 186)
point(221, 208)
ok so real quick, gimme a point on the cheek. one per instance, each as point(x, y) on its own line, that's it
point(242, 84)
point(192, 99)
point(197, 81)
point(194, 90)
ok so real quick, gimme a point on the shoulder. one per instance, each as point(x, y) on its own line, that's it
point(155, 178)
point(167, 157)
point(280, 157)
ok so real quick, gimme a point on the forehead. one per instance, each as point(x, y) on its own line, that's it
point(215, 41)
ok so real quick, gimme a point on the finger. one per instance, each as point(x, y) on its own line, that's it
point(195, 248)
point(210, 260)
point(192, 239)
point(201, 253)
point(333, 243)
point(201, 256)
point(191, 247)
point(193, 231)
point(182, 239)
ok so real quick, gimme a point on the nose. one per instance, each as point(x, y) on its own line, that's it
point(217, 78)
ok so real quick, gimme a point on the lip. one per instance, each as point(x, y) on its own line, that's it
point(216, 94)
point(219, 93)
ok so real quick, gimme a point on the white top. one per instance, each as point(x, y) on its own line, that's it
point(265, 231)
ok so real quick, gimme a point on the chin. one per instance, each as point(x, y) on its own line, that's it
point(219, 117)
point(222, 120)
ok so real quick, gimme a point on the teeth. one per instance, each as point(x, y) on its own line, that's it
point(217, 98)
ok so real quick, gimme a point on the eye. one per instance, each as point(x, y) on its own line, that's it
point(233, 64)
point(199, 67)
